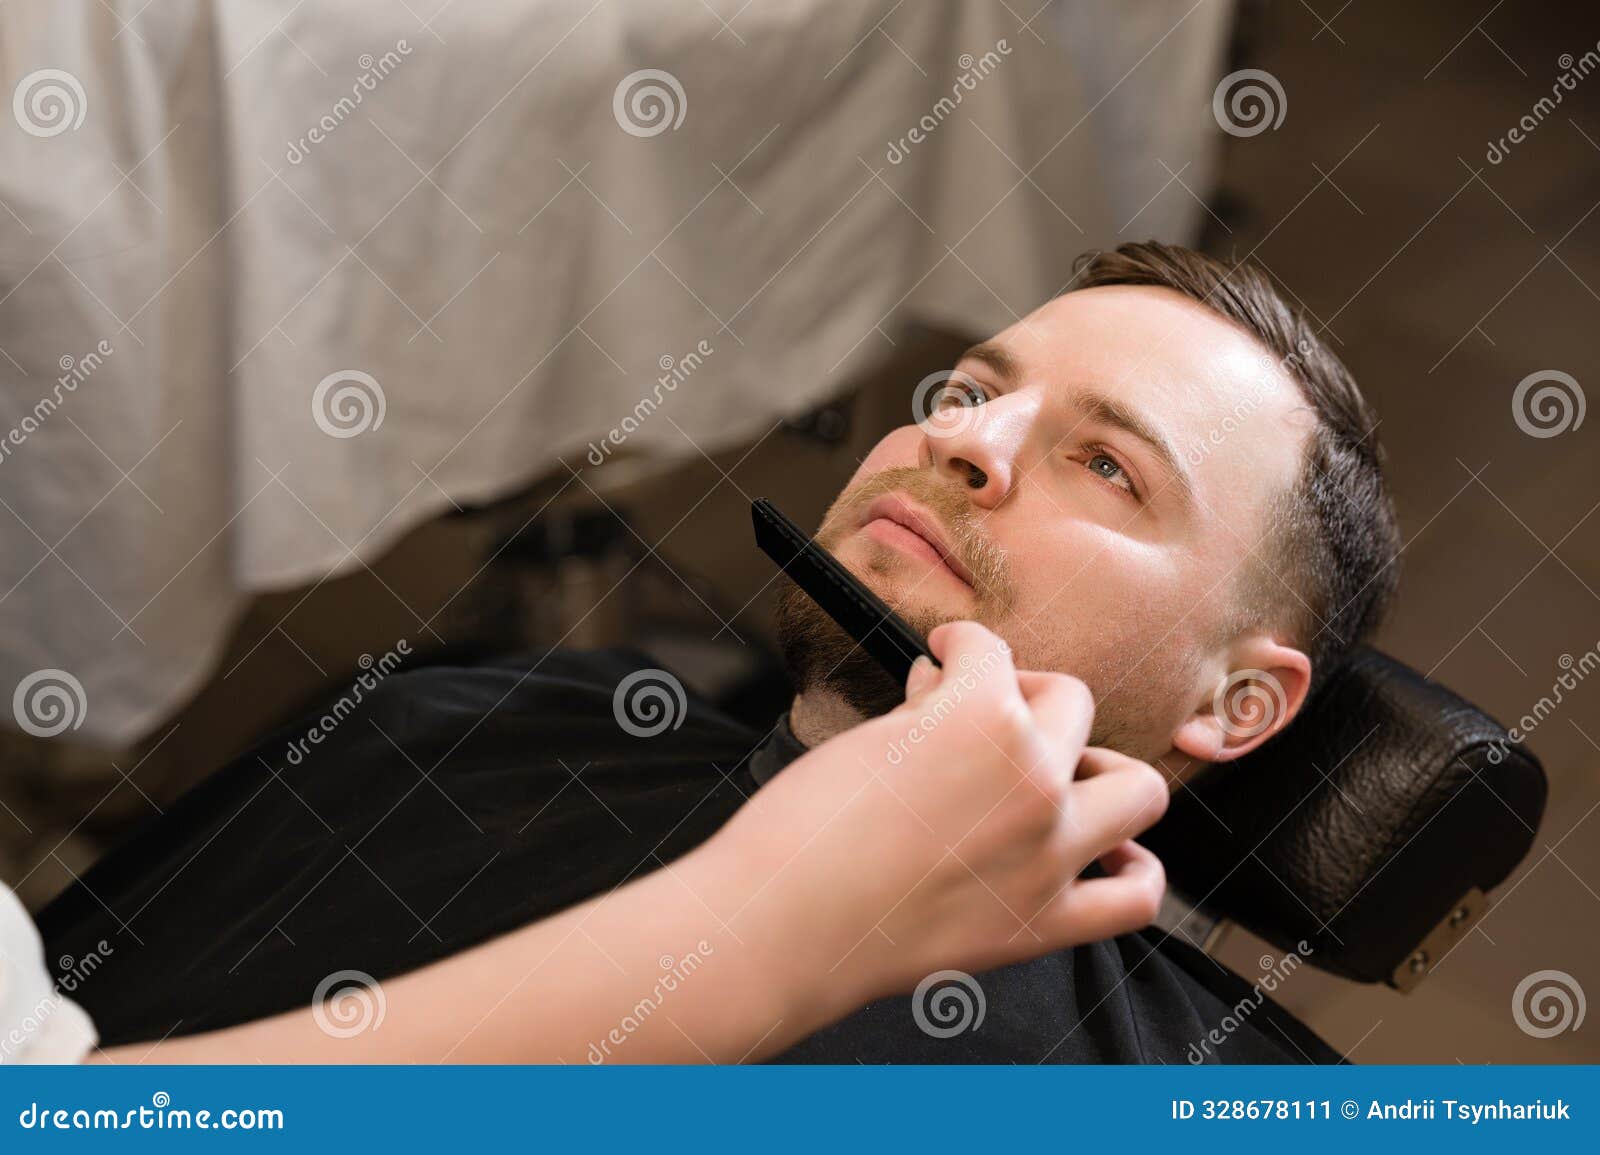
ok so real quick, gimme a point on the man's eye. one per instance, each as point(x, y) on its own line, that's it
point(1106, 466)
point(956, 393)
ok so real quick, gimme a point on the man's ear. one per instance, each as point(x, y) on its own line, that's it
point(1261, 691)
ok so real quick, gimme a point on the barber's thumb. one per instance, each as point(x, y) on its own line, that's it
point(923, 677)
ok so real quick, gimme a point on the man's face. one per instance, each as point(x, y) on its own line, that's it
point(1093, 504)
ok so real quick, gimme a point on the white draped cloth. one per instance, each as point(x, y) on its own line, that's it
point(38, 1022)
point(279, 282)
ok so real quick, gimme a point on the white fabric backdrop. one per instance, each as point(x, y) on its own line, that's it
point(482, 237)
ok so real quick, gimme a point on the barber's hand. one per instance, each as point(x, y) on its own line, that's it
point(949, 833)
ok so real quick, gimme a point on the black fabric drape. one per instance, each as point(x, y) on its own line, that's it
point(454, 804)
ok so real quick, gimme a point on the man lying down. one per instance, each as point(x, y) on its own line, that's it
point(1161, 483)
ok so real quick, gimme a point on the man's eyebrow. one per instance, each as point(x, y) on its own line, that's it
point(997, 358)
point(1106, 410)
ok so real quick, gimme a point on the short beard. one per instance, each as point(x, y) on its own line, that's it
point(822, 657)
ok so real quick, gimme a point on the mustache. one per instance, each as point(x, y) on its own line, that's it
point(957, 517)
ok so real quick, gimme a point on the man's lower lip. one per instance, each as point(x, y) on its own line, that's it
point(894, 534)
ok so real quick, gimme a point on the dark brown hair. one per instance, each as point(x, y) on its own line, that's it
point(1333, 541)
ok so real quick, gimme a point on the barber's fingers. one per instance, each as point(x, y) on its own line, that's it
point(1103, 760)
point(1115, 797)
point(971, 656)
point(924, 676)
point(1093, 909)
point(1062, 707)
point(953, 641)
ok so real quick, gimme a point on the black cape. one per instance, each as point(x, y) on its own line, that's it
point(454, 804)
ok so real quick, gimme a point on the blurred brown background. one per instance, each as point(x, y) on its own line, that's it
point(1442, 279)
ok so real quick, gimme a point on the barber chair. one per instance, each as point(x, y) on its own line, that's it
point(1371, 829)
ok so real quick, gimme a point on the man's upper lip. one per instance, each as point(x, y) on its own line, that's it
point(919, 521)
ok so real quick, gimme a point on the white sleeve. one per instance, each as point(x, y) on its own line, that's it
point(38, 1024)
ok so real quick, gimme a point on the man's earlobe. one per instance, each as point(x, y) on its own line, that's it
point(1261, 693)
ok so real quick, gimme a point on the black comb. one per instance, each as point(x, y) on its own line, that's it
point(861, 613)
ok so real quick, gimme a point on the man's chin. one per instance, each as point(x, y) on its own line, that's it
point(822, 658)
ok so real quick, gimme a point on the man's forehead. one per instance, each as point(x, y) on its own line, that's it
point(1130, 334)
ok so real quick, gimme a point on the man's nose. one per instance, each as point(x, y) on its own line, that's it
point(981, 448)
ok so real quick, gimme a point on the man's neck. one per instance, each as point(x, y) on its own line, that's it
point(817, 715)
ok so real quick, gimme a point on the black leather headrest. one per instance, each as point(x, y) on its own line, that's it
point(1362, 826)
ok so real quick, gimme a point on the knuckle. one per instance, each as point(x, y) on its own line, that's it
point(1051, 794)
point(1038, 802)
